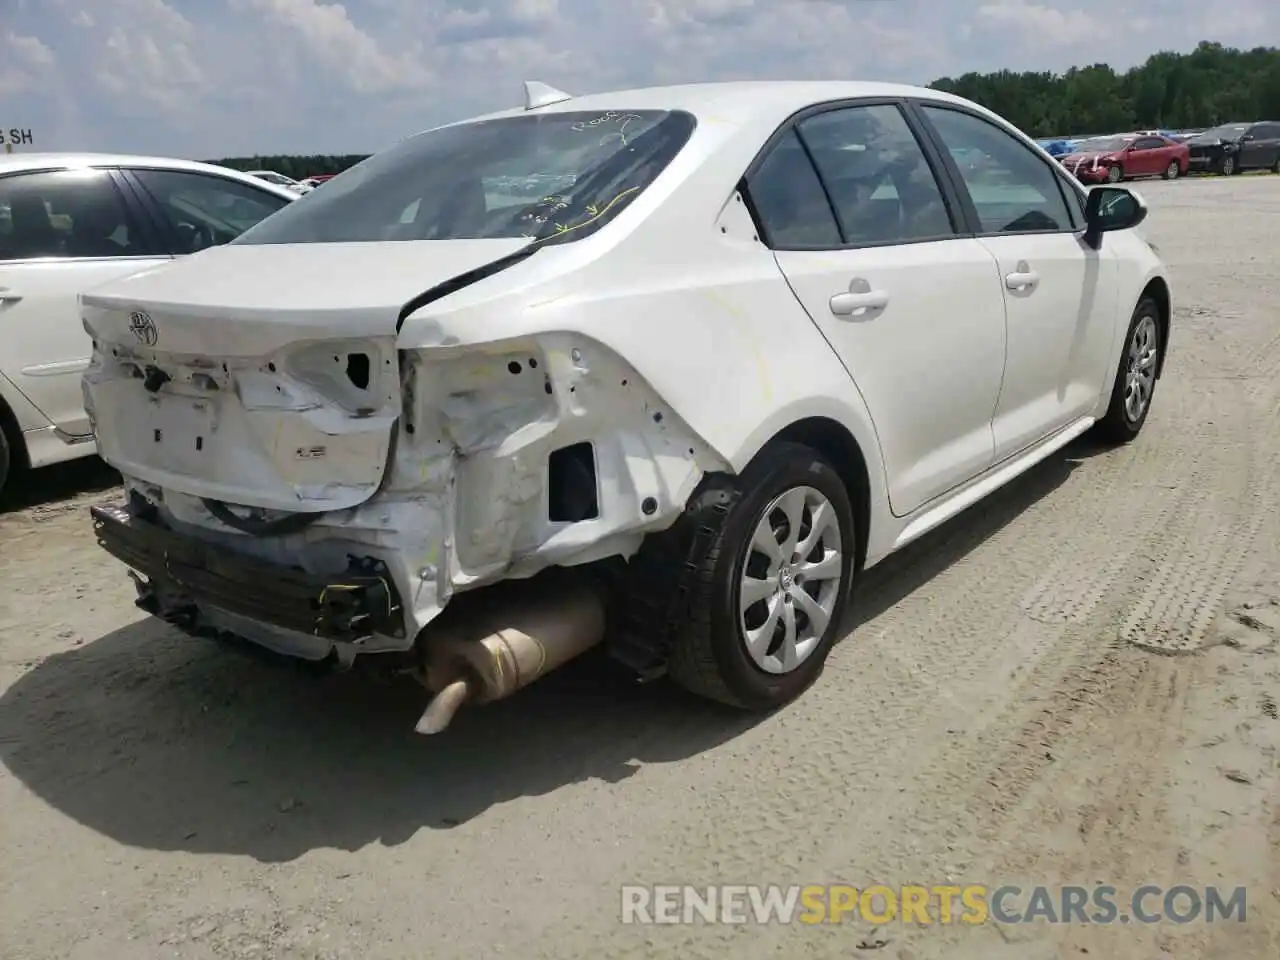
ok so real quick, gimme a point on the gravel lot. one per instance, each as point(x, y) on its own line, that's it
point(1076, 682)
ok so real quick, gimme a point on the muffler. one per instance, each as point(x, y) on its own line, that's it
point(505, 645)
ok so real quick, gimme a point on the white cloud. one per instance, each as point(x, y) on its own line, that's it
point(210, 78)
point(337, 44)
point(24, 62)
point(1037, 22)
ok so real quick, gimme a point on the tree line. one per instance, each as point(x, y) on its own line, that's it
point(1213, 84)
point(299, 167)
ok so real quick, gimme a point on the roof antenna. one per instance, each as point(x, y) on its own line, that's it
point(537, 94)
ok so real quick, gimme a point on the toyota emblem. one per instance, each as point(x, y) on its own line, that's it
point(143, 327)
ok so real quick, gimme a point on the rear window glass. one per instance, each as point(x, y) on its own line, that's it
point(554, 177)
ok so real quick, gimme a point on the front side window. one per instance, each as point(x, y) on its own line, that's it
point(1012, 188)
point(553, 176)
point(880, 184)
point(67, 214)
point(203, 210)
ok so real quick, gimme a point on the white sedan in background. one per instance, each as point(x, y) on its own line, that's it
point(698, 354)
point(67, 223)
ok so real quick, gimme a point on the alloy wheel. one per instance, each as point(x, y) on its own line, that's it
point(791, 579)
point(1144, 349)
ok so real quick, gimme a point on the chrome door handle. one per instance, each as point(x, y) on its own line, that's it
point(6, 297)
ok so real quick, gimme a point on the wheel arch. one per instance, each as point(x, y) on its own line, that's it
point(1157, 289)
point(834, 441)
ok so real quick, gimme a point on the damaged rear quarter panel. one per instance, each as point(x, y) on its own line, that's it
point(721, 350)
point(479, 427)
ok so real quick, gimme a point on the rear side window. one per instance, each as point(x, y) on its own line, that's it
point(880, 183)
point(789, 200)
point(552, 176)
point(67, 214)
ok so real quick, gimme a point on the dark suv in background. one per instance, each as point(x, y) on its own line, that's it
point(1235, 147)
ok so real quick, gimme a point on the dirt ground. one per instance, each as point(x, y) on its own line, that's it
point(1076, 682)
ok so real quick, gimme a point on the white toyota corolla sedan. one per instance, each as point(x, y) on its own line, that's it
point(663, 369)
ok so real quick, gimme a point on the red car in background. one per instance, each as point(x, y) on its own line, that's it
point(1112, 159)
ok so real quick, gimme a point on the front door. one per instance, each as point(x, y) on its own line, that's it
point(1060, 295)
point(913, 309)
point(66, 232)
point(1263, 150)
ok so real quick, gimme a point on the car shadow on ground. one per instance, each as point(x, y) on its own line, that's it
point(49, 486)
point(166, 743)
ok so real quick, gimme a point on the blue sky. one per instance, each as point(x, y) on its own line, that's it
point(214, 78)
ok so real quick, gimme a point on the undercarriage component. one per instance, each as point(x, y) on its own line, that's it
point(191, 574)
point(524, 631)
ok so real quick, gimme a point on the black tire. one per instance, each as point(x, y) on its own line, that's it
point(1117, 425)
point(1115, 174)
point(1227, 166)
point(1171, 172)
point(708, 655)
point(6, 462)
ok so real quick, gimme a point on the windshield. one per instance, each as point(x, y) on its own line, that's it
point(1228, 131)
point(549, 176)
point(1104, 144)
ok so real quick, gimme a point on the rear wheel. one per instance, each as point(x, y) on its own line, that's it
point(772, 590)
point(1171, 171)
point(1135, 381)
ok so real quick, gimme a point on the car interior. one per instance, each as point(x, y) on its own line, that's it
point(58, 222)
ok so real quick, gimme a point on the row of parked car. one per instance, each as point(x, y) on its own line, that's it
point(305, 185)
point(1227, 149)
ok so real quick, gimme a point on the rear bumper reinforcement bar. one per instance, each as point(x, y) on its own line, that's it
point(350, 607)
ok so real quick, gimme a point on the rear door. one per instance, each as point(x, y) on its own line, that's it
point(1060, 295)
point(1146, 157)
point(872, 247)
point(67, 231)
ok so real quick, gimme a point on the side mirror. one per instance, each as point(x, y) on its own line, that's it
point(1246, 137)
point(1108, 209)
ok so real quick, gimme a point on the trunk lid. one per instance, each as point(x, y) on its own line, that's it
point(262, 376)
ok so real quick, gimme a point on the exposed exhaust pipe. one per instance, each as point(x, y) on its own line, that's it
point(506, 645)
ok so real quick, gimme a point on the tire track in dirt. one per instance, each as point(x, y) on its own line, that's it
point(1074, 677)
point(922, 692)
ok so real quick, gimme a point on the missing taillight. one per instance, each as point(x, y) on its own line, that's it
point(572, 489)
point(358, 370)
